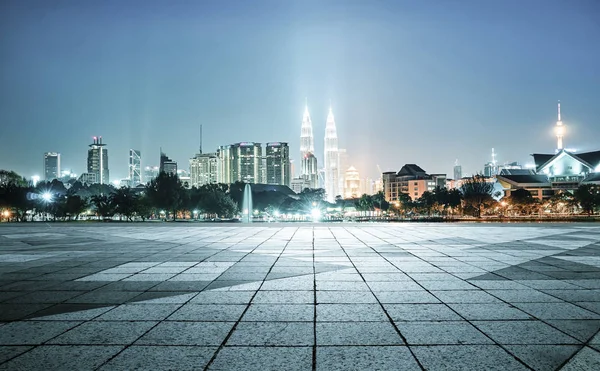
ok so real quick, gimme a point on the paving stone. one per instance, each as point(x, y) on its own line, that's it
point(556, 311)
point(53, 357)
point(350, 312)
point(208, 312)
point(357, 333)
point(279, 312)
point(187, 333)
point(441, 333)
point(543, 357)
point(489, 311)
point(272, 334)
point(582, 330)
point(33, 332)
point(263, 359)
point(420, 312)
point(365, 358)
point(523, 332)
point(105, 333)
point(406, 297)
point(284, 297)
point(586, 359)
point(139, 312)
point(161, 358)
point(8, 352)
point(466, 357)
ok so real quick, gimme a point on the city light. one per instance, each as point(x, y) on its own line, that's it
point(276, 213)
point(35, 179)
point(47, 196)
point(6, 213)
point(316, 214)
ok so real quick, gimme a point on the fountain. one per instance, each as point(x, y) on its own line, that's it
point(247, 204)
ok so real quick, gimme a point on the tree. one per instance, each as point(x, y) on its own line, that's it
point(103, 206)
point(588, 197)
point(215, 201)
point(167, 193)
point(143, 207)
point(427, 201)
point(124, 201)
point(477, 194)
point(74, 206)
point(521, 201)
point(379, 201)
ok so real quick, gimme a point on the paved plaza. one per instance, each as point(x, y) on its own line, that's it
point(299, 296)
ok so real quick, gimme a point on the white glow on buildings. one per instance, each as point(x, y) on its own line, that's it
point(332, 159)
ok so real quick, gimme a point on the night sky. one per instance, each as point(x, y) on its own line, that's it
point(424, 82)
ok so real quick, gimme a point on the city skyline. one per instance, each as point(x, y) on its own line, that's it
point(442, 82)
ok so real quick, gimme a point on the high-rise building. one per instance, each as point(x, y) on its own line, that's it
point(560, 131)
point(135, 167)
point(240, 162)
point(278, 163)
point(308, 161)
point(167, 165)
point(352, 183)
point(97, 161)
point(150, 172)
point(310, 172)
point(457, 171)
point(332, 159)
point(51, 166)
point(490, 169)
point(203, 169)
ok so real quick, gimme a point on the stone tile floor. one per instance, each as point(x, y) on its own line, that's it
point(287, 297)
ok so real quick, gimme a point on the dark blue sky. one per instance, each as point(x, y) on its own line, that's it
point(423, 82)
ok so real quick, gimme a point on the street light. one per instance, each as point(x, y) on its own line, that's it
point(47, 196)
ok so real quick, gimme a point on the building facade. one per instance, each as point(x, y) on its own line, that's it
point(51, 166)
point(97, 161)
point(135, 167)
point(204, 169)
point(352, 184)
point(308, 160)
point(240, 162)
point(410, 180)
point(167, 165)
point(332, 160)
point(277, 163)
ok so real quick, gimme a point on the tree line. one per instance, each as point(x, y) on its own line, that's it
point(165, 197)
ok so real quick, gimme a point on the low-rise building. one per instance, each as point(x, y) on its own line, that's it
point(411, 180)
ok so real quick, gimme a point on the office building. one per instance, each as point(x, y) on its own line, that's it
point(332, 160)
point(457, 171)
point(135, 167)
point(167, 165)
point(240, 162)
point(277, 163)
point(51, 166)
point(97, 161)
point(204, 169)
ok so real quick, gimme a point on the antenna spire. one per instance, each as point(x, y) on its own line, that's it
point(200, 138)
point(558, 110)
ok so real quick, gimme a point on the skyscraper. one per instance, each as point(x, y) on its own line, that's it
point(203, 169)
point(240, 162)
point(167, 165)
point(457, 171)
point(135, 167)
point(560, 131)
point(308, 161)
point(332, 159)
point(51, 166)
point(278, 163)
point(97, 161)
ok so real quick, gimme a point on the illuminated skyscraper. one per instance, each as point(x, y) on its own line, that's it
point(97, 161)
point(135, 167)
point(457, 171)
point(240, 162)
point(278, 163)
point(560, 131)
point(308, 165)
point(203, 169)
point(167, 165)
point(332, 159)
point(51, 166)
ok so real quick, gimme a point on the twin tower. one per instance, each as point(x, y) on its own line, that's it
point(332, 178)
